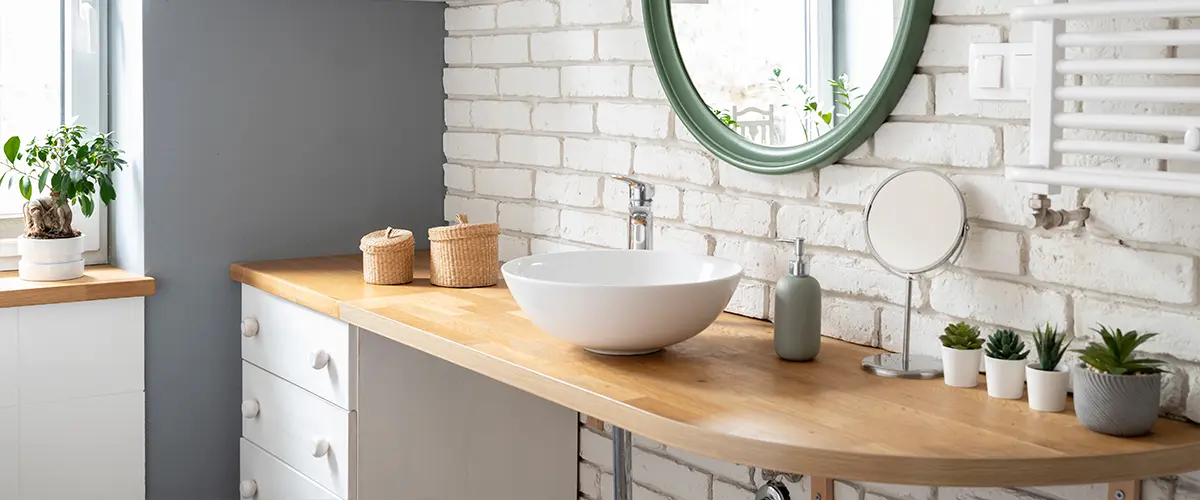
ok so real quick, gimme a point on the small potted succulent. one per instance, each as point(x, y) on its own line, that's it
point(1047, 380)
point(1005, 365)
point(74, 171)
point(1116, 392)
point(961, 352)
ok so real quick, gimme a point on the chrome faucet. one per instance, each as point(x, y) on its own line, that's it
point(641, 213)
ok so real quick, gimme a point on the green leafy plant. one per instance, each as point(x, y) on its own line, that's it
point(961, 336)
point(1116, 354)
point(73, 168)
point(725, 117)
point(1004, 344)
point(1050, 345)
point(814, 121)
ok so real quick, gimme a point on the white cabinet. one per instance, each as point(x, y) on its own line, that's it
point(265, 477)
point(305, 347)
point(81, 349)
point(8, 453)
point(306, 432)
point(83, 448)
point(8, 358)
point(72, 401)
point(388, 421)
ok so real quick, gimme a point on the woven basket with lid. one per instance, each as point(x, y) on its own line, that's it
point(388, 257)
point(464, 255)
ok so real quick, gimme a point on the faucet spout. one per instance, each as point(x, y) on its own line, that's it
point(641, 213)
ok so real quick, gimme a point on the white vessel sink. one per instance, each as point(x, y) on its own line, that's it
point(622, 302)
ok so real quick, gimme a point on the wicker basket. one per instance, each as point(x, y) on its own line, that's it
point(387, 257)
point(464, 255)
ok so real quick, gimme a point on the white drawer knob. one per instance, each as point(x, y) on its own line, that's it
point(319, 359)
point(249, 327)
point(249, 408)
point(1191, 139)
point(320, 447)
point(248, 488)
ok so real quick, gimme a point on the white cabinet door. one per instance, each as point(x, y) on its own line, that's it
point(91, 448)
point(286, 339)
point(264, 477)
point(81, 349)
point(291, 424)
point(8, 453)
point(8, 359)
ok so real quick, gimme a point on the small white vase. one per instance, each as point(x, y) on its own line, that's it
point(1005, 377)
point(1047, 389)
point(960, 368)
point(50, 259)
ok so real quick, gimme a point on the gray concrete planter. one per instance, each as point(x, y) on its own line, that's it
point(1117, 405)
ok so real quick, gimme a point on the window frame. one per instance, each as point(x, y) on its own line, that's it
point(84, 101)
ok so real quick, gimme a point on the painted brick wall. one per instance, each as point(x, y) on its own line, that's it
point(548, 97)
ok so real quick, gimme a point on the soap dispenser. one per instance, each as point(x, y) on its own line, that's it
point(798, 310)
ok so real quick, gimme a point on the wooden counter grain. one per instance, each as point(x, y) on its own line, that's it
point(725, 394)
point(97, 283)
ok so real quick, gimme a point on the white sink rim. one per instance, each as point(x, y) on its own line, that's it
point(731, 269)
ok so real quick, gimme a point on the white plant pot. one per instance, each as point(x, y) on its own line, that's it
point(50, 260)
point(1005, 377)
point(961, 367)
point(1047, 389)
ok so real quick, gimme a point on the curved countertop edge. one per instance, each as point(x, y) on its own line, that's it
point(914, 470)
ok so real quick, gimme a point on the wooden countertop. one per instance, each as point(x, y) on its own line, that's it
point(725, 394)
point(97, 283)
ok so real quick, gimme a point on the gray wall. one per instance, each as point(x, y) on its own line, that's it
point(273, 129)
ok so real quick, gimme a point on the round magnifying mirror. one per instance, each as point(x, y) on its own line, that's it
point(915, 222)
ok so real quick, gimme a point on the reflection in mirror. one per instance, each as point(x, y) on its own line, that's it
point(784, 72)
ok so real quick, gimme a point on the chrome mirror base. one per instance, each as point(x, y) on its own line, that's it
point(894, 366)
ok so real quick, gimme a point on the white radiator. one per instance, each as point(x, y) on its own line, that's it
point(1046, 172)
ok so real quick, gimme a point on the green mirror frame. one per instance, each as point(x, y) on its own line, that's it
point(847, 136)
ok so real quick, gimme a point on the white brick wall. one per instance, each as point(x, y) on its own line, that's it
point(547, 97)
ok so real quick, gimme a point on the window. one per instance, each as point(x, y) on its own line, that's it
point(52, 71)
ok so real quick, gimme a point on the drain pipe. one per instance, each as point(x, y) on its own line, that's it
point(622, 442)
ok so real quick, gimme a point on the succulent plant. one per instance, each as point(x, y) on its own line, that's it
point(961, 336)
point(1050, 345)
point(1116, 354)
point(1004, 344)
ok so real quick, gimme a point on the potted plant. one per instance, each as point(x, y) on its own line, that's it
point(961, 352)
point(74, 170)
point(1048, 381)
point(1116, 392)
point(1005, 365)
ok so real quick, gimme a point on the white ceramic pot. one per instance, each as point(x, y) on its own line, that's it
point(1047, 389)
point(50, 260)
point(961, 367)
point(1005, 377)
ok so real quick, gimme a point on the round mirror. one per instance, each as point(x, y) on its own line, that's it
point(775, 86)
point(915, 221)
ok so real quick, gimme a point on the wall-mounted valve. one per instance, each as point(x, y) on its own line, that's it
point(1049, 218)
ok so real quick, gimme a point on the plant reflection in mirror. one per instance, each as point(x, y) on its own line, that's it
point(814, 121)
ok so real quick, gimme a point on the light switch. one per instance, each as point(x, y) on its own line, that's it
point(986, 71)
point(1000, 71)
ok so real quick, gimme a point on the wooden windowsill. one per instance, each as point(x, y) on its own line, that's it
point(97, 283)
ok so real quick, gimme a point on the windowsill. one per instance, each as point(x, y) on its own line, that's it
point(97, 283)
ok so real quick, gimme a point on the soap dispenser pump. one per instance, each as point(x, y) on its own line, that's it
point(798, 310)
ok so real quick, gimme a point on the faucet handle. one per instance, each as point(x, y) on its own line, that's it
point(639, 192)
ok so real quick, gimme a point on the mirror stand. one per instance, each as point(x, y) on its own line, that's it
point(903, 364)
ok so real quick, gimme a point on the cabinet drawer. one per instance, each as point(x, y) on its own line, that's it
point(264, 477)
point(304, 431)
point(288, 340)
